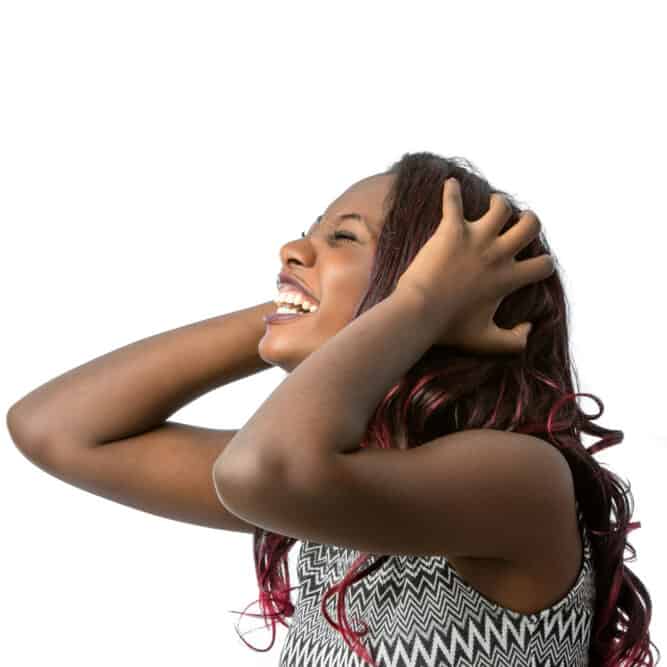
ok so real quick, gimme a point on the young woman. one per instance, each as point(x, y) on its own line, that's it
point(425, 447)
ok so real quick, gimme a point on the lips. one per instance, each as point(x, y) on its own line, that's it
point(276, 318)
point(289, 279)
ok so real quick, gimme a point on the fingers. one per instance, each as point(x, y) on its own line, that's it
point(452, 204)
point(532, 270)
point(519, 235)
point(498, 214)
point(507, 341)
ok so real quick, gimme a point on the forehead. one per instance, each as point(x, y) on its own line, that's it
point(365, 197)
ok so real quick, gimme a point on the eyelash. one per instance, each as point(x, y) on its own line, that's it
point(336, 236)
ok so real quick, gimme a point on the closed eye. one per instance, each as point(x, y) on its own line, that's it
point(340, 235)
point(336, 235)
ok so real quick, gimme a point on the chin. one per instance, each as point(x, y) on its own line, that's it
point(286, 361)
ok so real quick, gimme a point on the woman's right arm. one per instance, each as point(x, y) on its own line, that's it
point(103, 427)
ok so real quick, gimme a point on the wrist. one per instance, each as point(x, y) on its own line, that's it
point(415, 304)
point(433, 319)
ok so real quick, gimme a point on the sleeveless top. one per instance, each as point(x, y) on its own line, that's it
point(421, 613)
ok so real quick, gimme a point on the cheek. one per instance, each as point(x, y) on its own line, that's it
point(345, 289)
point(350, 300)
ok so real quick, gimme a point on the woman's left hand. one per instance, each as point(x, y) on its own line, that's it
point(466, 268)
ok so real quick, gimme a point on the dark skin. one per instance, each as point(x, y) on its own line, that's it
point(165, 468)
point(335, 259)
point(337, 272)
point(535, 562)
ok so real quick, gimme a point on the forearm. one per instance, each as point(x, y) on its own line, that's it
point(324, 405)
point(137, 387)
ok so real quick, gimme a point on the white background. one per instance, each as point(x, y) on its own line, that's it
point(154, 156)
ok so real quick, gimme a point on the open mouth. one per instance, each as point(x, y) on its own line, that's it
point(284, 313)
point(284, 309)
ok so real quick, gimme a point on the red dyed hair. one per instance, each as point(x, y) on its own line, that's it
point(449, 390)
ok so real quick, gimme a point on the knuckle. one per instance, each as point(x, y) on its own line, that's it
point(489, 257)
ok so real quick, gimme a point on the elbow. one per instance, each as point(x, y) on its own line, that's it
point(245, 465)
point(243, 486)
point(232, 485)
point(225, 468)
point(23, 430)
point(217, 484)
point(219, 474)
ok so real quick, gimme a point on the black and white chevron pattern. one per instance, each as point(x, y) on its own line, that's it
point(421, 613)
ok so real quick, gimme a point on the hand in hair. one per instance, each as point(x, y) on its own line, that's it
point(466, 269)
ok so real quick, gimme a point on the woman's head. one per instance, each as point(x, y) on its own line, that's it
point(350, 264)
point(448, 389)
point(333, 260)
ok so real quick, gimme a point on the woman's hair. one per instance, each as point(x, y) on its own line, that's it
point(449, 390)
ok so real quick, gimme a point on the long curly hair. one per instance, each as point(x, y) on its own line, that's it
point(449, 390)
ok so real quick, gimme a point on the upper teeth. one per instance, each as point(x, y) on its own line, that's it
point(289, 295)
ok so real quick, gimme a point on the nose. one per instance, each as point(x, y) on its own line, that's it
point(297, 250)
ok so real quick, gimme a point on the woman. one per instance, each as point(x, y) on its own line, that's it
point(423, 430)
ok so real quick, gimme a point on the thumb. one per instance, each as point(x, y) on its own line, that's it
point(521, 332)
point(514, 340)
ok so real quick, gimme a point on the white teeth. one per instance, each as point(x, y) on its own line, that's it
point(288, 309)
point(296, 300)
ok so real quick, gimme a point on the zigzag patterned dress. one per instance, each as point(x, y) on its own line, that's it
point(421, 613)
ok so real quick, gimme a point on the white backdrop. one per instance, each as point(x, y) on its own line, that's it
point(154, 156)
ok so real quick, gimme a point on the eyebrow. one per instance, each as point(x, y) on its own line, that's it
point(351, 216)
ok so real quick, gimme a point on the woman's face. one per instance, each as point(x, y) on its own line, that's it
point(334, 262)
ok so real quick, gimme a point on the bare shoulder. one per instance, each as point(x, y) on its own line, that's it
point(533, 450)
point(558, 546)
point(558, 476)
point(554, 459)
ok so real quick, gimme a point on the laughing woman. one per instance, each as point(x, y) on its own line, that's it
point(425, 447)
